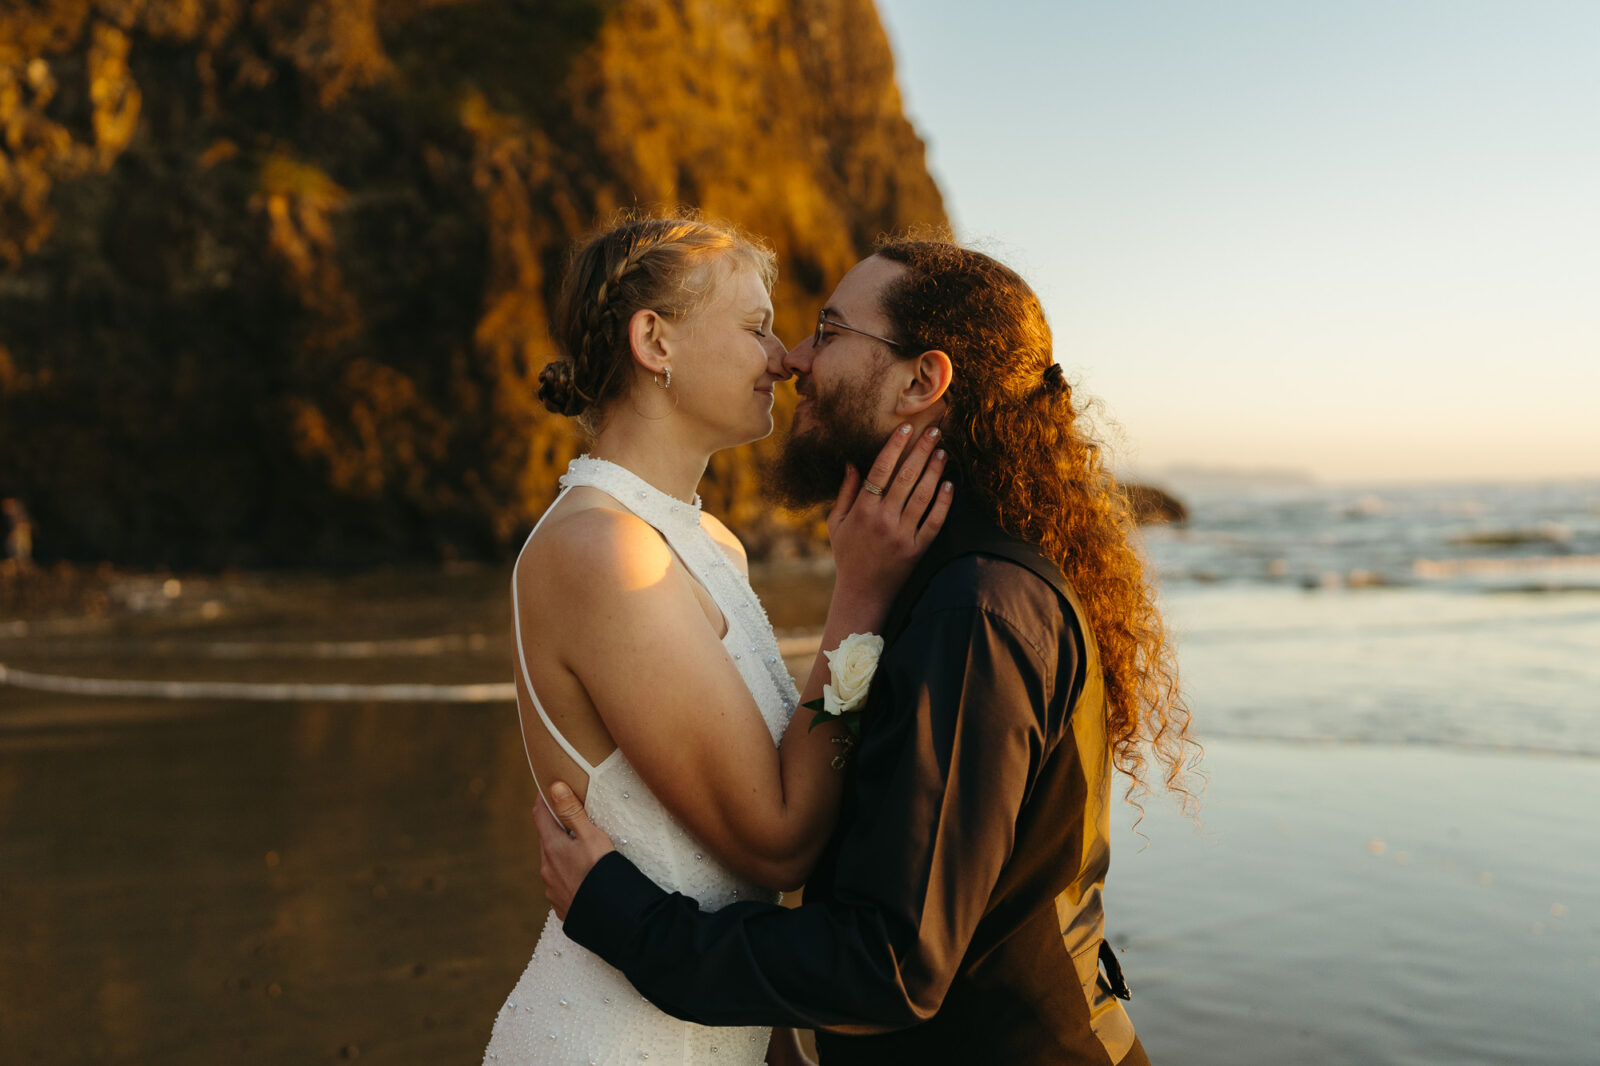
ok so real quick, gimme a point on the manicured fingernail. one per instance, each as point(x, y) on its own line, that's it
point(939, 455)
point(933, 432)
point(903, 430)
point(946, 487)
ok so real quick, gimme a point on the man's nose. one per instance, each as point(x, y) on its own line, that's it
point(798, 359)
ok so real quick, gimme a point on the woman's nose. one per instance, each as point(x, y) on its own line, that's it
point(777, 358)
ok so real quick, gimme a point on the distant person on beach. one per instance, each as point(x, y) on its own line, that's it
point(954, 915)
point(19, 531)
point(648, 674)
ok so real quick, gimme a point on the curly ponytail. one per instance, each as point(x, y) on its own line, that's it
point(1029, 462)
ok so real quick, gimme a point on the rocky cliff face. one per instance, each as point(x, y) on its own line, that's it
point(275, 275)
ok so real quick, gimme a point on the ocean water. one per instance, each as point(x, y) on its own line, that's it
point(1395, 858)
point(1539, 537)
point(1454, 616)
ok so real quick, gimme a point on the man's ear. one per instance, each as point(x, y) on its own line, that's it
point(929, 376)
point(649, 338)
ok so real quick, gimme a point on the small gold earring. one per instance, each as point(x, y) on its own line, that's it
point(664, 384)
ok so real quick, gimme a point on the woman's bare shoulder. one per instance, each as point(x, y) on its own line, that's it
point(595, 546)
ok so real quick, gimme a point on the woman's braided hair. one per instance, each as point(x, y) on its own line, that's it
point(661, 264)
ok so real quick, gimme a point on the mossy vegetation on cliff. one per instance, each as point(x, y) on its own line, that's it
point(275, 275)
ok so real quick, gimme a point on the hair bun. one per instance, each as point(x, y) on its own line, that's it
point(558, 391)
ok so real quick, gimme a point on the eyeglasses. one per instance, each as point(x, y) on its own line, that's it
point(825, 323)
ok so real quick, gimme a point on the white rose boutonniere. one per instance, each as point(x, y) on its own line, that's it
point(850, 669)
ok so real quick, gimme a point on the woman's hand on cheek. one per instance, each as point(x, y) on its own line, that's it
point(881, 524)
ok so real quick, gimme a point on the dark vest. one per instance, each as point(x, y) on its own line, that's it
point(1029, 989)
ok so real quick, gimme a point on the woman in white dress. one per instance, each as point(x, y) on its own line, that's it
point(648, 676)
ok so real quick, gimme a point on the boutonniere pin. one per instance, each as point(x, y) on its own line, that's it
point(850, 669)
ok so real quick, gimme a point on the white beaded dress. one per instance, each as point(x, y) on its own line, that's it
point(569, 1006)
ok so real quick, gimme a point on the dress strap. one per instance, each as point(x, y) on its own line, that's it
point(527, 679)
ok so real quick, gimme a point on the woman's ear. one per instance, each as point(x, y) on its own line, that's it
point(649, 341)
point(928, 376)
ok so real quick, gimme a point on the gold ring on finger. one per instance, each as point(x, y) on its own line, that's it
point(870, 487)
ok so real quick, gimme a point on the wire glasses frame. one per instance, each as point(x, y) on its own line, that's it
point(824, 323)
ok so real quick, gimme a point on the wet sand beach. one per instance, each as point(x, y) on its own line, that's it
point(203, 880)
point(194, 880)
point(261, 882)
point(1348, 903)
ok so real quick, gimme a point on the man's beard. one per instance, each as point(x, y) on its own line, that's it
point(811, 466)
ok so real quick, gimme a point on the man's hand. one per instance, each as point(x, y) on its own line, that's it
point(568, 849)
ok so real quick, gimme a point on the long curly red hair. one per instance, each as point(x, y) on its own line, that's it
point(1029, 461)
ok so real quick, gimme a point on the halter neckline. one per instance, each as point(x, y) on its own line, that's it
point(622, 482)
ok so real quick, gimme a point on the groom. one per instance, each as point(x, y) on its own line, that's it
point(955, 914)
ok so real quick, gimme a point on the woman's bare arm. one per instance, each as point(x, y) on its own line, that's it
point(671, 696)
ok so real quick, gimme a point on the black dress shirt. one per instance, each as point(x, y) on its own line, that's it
point(954, 915)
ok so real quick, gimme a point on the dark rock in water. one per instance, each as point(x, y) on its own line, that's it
point(1549, 534)
point(275, 278)
point(1155, 507)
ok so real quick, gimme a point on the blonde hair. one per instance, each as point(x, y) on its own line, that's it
point(660, 264)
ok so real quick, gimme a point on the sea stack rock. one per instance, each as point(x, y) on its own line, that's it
point(275, 279)
point(1155, 507)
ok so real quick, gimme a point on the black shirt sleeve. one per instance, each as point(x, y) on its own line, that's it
point(953, 739)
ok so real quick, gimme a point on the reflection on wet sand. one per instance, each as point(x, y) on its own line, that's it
point(294, 882)
point(194, 881)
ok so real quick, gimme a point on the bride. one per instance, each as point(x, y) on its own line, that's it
point(648, 675)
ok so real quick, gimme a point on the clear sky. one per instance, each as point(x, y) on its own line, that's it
point(1357, 238)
